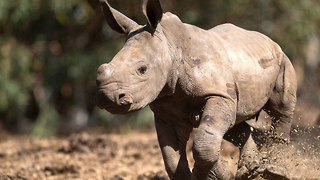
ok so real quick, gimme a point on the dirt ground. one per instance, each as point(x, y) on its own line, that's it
point(135, 156)
point(82, 156)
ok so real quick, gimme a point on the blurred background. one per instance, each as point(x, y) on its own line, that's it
point(50, 51)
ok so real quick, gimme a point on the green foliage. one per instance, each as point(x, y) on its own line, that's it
point(15, 76)
point(50, 51)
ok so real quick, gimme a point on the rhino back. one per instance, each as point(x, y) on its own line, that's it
point(255, 63)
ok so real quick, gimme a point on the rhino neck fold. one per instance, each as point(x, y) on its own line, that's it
point(173, 71)
point(180, 39)
point(175, 49)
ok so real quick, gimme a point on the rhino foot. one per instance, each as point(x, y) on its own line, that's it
point(274, 165)
point(263, 172)
point(249, 171)
point(275, 172)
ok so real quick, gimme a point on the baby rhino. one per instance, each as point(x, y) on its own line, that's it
point(213, 80)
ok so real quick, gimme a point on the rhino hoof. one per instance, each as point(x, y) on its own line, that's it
point(264, 172)
point(276, 172)
point(244, 173)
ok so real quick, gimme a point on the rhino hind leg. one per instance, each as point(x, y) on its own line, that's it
point(280, 107)
point(249, 161)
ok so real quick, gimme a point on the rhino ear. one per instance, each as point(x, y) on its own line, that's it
point(116, 20)
point(152, 10)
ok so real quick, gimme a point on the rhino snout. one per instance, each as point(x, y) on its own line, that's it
point(104, 99)
point(103, 73)
point(116, 102)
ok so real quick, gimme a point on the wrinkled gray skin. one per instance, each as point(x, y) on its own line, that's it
point(213, 80)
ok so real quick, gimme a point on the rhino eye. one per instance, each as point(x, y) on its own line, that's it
point(142, 69)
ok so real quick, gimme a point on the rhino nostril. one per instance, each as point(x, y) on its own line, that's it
point(124, 100)
point(121, 96)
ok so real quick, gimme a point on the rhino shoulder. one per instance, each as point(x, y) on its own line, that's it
point(169, 18)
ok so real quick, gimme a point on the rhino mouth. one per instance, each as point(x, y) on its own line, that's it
point(114, 102)
point(118, 110)
point(113, 109)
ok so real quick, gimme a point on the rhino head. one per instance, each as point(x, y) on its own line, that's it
point(139, 71)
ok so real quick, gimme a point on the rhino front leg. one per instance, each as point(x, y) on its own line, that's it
point(173, 147)
point(219, 115)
